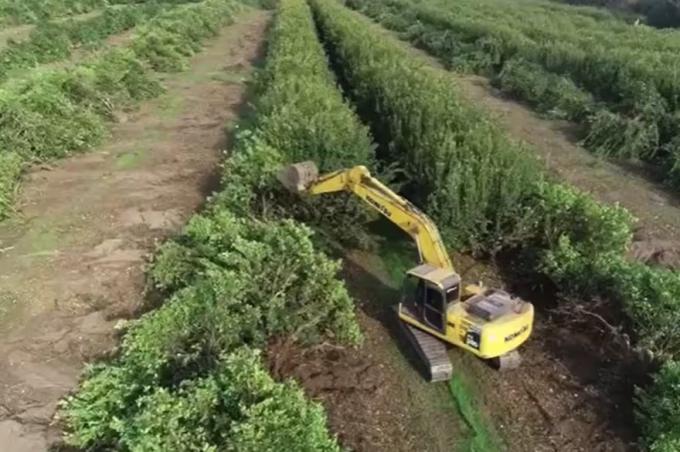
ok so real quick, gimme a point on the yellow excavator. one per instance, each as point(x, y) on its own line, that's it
point(489, 323)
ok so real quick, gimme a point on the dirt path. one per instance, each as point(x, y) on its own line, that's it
point(16, 33)
point(73, 264)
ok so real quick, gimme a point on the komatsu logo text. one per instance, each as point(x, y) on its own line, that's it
point(516, 333)
point(379, 206)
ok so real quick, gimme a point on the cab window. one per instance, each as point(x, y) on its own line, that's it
point(434, 308)
point(412, 290)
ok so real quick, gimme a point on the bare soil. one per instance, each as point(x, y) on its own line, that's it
point(358, 393)
point(568, 394)
point(16, 33)
point(72, 263)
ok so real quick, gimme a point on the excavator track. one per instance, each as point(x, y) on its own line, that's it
point(431, 351)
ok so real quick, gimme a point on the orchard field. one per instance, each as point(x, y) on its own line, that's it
point(159, 289)
point(618, 81)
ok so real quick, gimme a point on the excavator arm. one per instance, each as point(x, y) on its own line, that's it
point(304, 177)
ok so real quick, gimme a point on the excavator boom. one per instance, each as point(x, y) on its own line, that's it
point(304, 177)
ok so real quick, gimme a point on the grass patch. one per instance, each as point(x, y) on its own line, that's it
point(396, 250)
point(235, 77)
point(483, 437)
point(170, 106)
point(45, 241)
point(8, 301)
point(131, 160)
point(10, 170)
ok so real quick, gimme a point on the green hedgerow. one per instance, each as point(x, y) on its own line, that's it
point(658, 408)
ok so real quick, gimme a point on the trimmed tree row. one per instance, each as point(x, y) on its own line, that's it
point(53, 113)
point(190, 375)
point(618, 81)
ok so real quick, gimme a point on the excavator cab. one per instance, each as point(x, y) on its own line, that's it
point(490, 323)
point(429, 292)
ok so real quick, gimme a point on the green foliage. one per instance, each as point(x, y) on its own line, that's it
point(551, 94)
point(658, 408)
point(594, 228)
point(265, 4)
point(14, 12)
point(464, 172)
point(555, 230)
point(300, 110)
point(10, 170)
point(239, 282)
point(40, 119)
point(285, 270)
point(612, 133)
point(189, 376)
point(248, 178)
point(53, 113)
point(485, 191)
point(302, 114)
point(244, 407)
point(617, 80)
point(238, 407)
point(649, 296)
point(167, 40)
point(53, 41)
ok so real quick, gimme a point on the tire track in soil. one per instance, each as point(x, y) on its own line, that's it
point(73, 264)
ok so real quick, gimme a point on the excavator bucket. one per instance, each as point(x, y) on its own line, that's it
point(299, 176)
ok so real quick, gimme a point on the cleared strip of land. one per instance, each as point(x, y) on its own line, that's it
point(75, 257)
